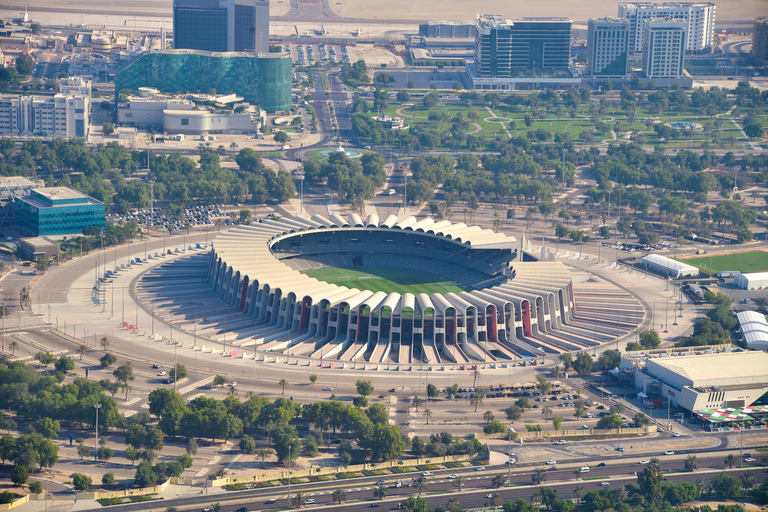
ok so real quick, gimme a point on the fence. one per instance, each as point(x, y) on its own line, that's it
point(127, 492)
point(331, 471)
point(578, 433)
point(14, 504)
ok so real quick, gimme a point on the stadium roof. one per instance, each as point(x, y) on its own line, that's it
point(754, 328)
point(669, 263)
point(723, 366)
point(246, 250)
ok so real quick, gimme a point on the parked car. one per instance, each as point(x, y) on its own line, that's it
point(560, 441)
point(328, 389)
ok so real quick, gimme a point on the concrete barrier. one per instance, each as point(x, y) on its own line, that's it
point(15, 503)
point(577, 433)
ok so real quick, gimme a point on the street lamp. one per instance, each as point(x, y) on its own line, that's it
point(289, 476)
point(97, 407)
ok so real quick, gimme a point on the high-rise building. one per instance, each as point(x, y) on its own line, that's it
point(66, 114)
point(664, 47)
point(221, 25)
point(760, 41)
point(607, 47)
point(264, 79)
point(503, 45)
point(699, 17)
point(57, 212)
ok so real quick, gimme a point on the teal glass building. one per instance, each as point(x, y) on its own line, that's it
point(56, 211)
point(263, 79)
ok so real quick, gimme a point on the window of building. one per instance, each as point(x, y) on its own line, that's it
point(184, 122)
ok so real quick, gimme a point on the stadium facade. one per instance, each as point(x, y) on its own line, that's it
point(257, 270)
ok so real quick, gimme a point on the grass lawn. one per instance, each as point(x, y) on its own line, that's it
point(755, 261)
point(387, 280)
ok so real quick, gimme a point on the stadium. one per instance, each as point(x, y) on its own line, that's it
point(393, 291)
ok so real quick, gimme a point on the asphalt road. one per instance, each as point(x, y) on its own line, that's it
point(476, 485)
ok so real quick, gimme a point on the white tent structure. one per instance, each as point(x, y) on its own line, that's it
point(669, 267)
point(754, 328)
point(753, 281)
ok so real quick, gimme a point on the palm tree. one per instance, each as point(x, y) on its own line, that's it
point(475, 376)
point(488, 416)
point(298, 501)
point(232, 390)
point(233, 146)
point(556, 371)
point(577, 473)
point(546, 411)
point(263, 453)
point(14, 345)
point(459, 482)
point(421, 484)
point(380, 492)
point(453, 505)
point(104, 342)
point(579, 492)
point(427, 414)
point(340, 496)
point(283, 383)
point(691, 463)
point(24, 296)
point(417, 403)
point(747, 480)
point(477, 400)
point(623, 493)
point(702, 485)
point(127, 388)
point(3, 268)
point(498, 481)
point(730, 460)
point(81, 351)
point(539, 476)
point(618, 409)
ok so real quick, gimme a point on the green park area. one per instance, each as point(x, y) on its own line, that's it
point(387, 280)
point(753, 261)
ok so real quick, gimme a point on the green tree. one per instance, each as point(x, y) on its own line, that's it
point(650, 481)
point(726, 486)
point(691, 463)
point(539, 476)
point(610, 359)
point(81, 482)
point(364, 387)
point(313, 378)
point(179, 372)
point(104, 453)
point(108, 360)
point(610, 421)
point(19, 475)
point(108, 128)
point(557, 422)
point(219, 380)
point(583, 363)
point(513, 413)
point(47, 427)
point(283, 383)
point(108, 479)
point(649, 339)
point(64, 364)
point(641, 420)
point(35, 488)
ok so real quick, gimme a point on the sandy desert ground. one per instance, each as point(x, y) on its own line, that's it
point(578, 10)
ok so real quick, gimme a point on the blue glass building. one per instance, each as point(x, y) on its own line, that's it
point(57, 211)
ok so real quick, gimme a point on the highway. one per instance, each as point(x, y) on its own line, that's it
point(476, 485)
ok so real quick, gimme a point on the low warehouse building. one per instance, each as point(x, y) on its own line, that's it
point(704, 381)
point(753, 281)
point(669, 267)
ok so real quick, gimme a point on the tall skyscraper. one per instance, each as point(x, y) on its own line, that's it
point(664, 47)
point(502, 45)
point(760, 41)
point(221, 25)
point(699, 17)
point(607, 46)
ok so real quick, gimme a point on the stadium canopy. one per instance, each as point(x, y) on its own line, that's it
point(668, 266)
point(754, 328)
point(723, 415)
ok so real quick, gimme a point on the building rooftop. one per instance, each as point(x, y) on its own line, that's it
point(54, 193)
point(57, 197)
point(17, 181)
point(668, 263)
point(723, 366)
point(669, 5)
point(490, 21)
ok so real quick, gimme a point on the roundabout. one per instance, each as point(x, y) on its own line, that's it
point(350, 153)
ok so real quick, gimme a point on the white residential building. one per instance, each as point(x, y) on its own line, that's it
point(66, 114)
point(607, 47)
point(664, 47)
point(699, 17)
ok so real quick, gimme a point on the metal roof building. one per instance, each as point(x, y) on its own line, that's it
point(669, 267)
point(754, 328)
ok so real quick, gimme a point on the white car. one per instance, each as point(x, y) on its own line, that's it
point(232, 384)
point(749, 459)
point(310, 501)
point(552, 462)
point(162, 374)
point(561, 441)
point(511, 454)
point(669, 452)
point(604, 483)
point(489, 496)
point(328, 389)
point(479, 468)
point(644, 461)
point(511, 461)
point(452, 476)
point(426, 473)
point(677, 434)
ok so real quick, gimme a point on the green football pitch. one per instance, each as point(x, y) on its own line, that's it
point(387, 280)
point(754, 261)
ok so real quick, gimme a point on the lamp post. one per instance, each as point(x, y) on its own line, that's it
point(175, 358)
point(289, 476)
point(97, 407)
